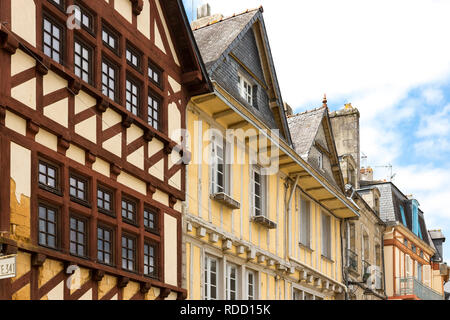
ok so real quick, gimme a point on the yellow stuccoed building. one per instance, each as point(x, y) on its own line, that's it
point(260, 222)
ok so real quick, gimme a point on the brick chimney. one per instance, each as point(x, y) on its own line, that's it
point(366, 174)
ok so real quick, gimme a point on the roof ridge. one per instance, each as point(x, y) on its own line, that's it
point(229, 17)
point(306, 111)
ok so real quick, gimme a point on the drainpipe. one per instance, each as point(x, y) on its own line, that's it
point(289, 216)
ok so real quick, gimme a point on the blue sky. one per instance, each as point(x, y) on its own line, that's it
point(391, 60)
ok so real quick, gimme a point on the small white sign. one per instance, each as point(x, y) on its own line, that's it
point(7, 266)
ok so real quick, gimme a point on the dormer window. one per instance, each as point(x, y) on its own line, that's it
point(245, 89)
point(320, 160)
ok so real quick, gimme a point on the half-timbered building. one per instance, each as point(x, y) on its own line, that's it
point(92, 99)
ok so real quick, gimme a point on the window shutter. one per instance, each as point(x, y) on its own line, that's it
point(255, 96)
point(213, 166)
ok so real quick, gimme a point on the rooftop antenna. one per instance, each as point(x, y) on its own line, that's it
point(389, 167)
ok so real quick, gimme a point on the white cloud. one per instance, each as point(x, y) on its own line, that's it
point(435, 124)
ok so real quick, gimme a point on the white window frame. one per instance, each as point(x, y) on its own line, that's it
point(305, 221)
point(251, 295)
point(245, 88)
point(207, 278)
point(320, 160)
point(218, 142)
point(228, 279)
point(263, 189)
point(326, 254)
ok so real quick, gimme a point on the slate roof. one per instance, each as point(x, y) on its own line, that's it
point(304, 127)
point(215, 38)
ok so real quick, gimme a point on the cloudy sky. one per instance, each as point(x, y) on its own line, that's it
point(390, 59)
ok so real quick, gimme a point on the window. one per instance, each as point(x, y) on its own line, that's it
point(78, 188)
point(251, 285)
point(151, 219)
point(259, 189)
point(83, 18)
point(109, 84)
point(402, 212)
point(419, 272)
point(78, 237)
point(132, 97)
point(104, 245)
point(305, 222)
point(154, 74)
point(378, 255)
point(218, 165)
point(413, 247)
point(365, 252)
point(320, 160)
point(53, 40)
point(133, 58)
point(352, 237)
point(47, 226)
point(48, 176)
point(211, 266)
point(326, 235)
point(245, 88)
point(58, 3)
point(150, 260)
point(110, 39)
point(153, 112)
point(83, 61)
point(231, 282)
point(105, 202)
point(129, 210)
point(405, 242)
point(128, 253)
point(421, 254)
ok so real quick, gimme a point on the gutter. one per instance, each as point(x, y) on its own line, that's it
point(285, 150)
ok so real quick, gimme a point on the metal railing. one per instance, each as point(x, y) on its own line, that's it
point(352, 260)
point(411, 286)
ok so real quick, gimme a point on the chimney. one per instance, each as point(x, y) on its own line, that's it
point(203, 11)
point(366, 174)
point(204, 17)
point(438, 239)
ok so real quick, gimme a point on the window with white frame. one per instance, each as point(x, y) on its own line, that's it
point(211, 277)
point(258, 191)
point(251, 285)
point(218, 165)
point(231, 282)
point(320, 160)
point(246, 89)
point(326, 235)
point(305, 222)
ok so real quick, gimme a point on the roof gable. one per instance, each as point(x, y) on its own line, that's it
point(218, 43)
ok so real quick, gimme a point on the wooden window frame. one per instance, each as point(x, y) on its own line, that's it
point(155, 274)
point(56, 210)
point(85, 243)
point(228, 291)
point(135, 202)
point(263, 194)
point(62, 45)
point(112, 247)
point(135, 250)
point(134, 53)
point(155, 70)
point(111, 193)
point(91, 52)
point(327, 217)
point(61, 6)
point(207, 274)
point(117, 80)
point(156, 213)
point(79, 177)
point(91, 17)
point(155, 98)
point(111, 34)
point(57, 168)
point(133, 82)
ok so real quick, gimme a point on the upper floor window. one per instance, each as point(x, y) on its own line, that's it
point(58, 3)
point(129, 210)
point(320, 160)
point(305, 222)
point(326, 235)
point(231, 282)
point(48, 176)
point(150, 260)
point(218, 166)
point(109, 80)
point(110, 38)
point(48, 226)
point(132, 97)
point(154, 113)
point(258, 191)
point(211, 278)
point(53, 39)
point(133, 57)
point(378, 255)
point(246, 89)
point(151, 219)
point(154, 73)
point(419, 272)
point(104, 245)
point(78, 188)
point(84, 18)
point(128, 253)
point(78, 237)
point(105, 201)
point(83, 61)
point(402, 212)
